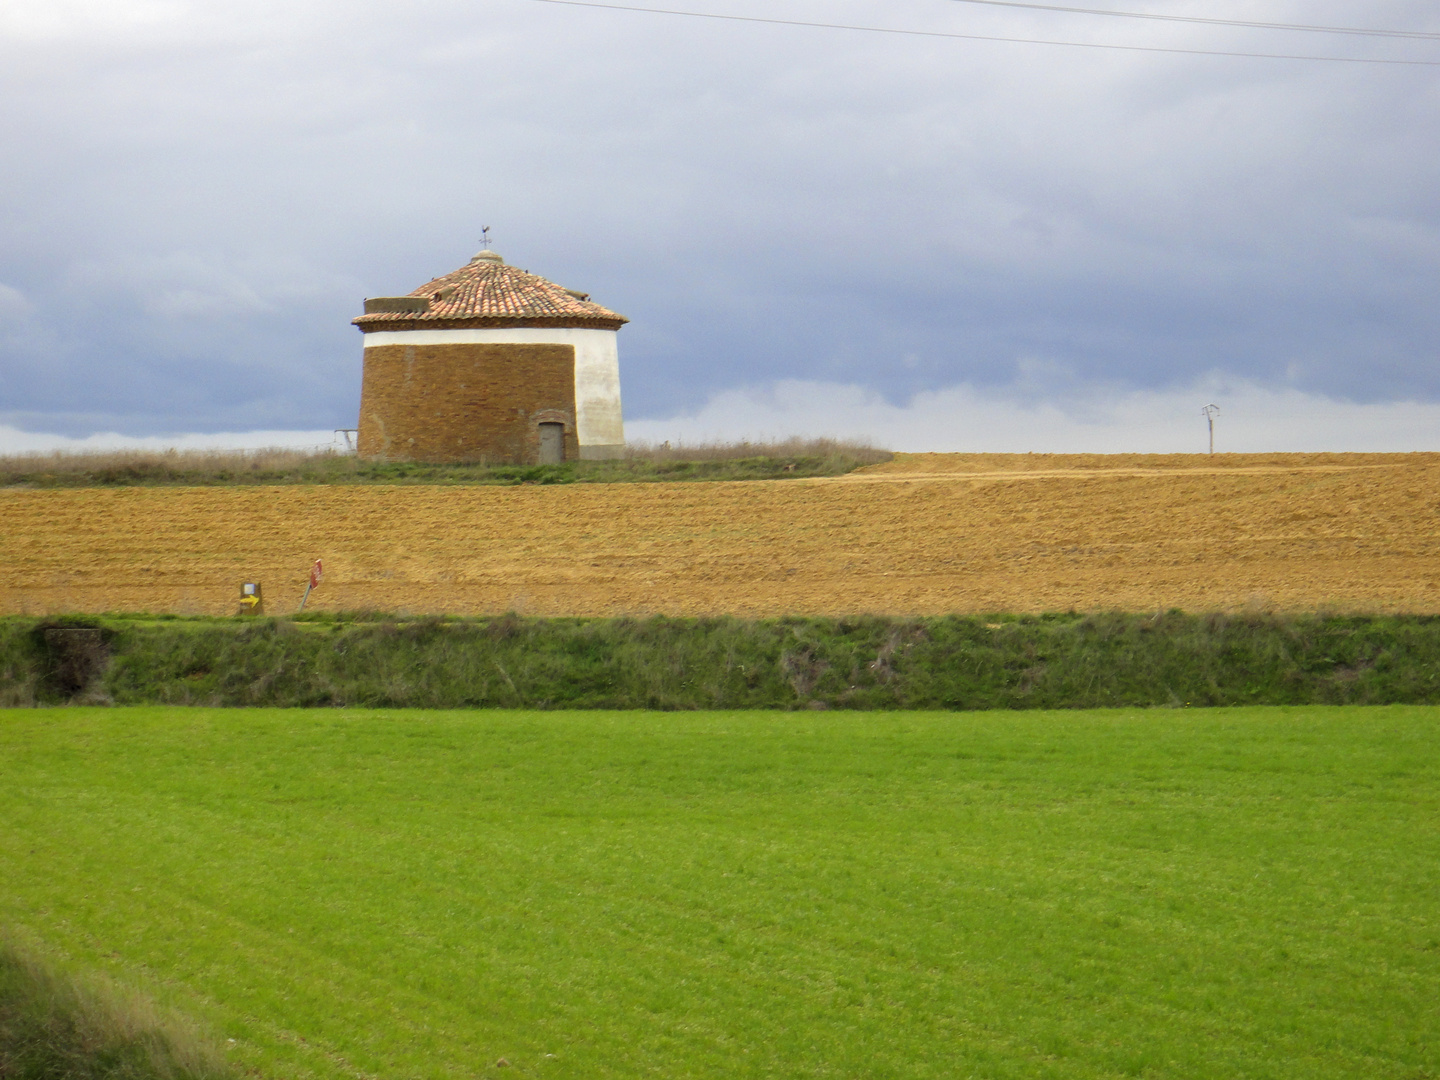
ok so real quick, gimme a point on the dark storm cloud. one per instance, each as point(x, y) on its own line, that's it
point(195, 201)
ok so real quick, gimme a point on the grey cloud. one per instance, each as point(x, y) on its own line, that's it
point(196, 199)
point(14, 308)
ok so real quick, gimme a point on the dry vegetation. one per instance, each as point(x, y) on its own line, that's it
point(54, 1027)
point(789, 449)
point(115, 465)
point(921, 535)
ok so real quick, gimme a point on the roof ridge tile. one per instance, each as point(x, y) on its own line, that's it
point(485, 289)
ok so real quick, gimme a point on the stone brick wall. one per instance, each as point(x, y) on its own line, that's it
point(465, 402)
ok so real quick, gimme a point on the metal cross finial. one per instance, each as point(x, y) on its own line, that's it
point(1210, 412)
point(485, 237)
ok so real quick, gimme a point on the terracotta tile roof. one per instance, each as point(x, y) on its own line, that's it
point(486, 292)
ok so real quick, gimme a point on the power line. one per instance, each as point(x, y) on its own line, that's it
point(988, 37)
point(1420, 35)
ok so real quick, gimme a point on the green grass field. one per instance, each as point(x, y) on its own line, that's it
point(1204, 893)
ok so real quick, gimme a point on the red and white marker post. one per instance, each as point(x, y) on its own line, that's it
point(315, 572)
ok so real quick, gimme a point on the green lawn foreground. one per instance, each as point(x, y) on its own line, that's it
point(1206, 893)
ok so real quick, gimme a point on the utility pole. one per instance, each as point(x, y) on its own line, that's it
point(1211, 411)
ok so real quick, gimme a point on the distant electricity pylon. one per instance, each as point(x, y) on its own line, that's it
point(1211, 411)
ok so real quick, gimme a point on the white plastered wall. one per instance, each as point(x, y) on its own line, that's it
point(599, 425)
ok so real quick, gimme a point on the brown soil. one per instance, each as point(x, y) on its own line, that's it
point(924, 534)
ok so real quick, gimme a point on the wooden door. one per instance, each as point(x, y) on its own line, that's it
point(552, 444)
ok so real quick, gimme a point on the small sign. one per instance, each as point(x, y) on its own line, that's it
point(316, 572)
point(251, 599)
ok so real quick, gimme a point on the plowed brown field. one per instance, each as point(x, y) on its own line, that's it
point(924, 534)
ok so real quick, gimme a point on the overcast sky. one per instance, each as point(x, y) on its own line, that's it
point(817, 231)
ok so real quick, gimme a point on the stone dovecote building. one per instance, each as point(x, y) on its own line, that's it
point(490, 363)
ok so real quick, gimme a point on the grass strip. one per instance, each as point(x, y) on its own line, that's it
point(791, 459)
point(955, 662)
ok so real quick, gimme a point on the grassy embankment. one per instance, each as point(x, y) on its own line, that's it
point(54, 1027)
point(789, 459)
point(1195, 895)
point(1059, 661)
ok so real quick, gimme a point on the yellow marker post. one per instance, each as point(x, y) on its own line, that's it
point(251, 600)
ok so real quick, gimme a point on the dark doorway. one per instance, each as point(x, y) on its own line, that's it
point(552, 444)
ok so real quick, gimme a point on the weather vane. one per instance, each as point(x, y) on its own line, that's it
point(485, 237)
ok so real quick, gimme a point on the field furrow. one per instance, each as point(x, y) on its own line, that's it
point(925, 534)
